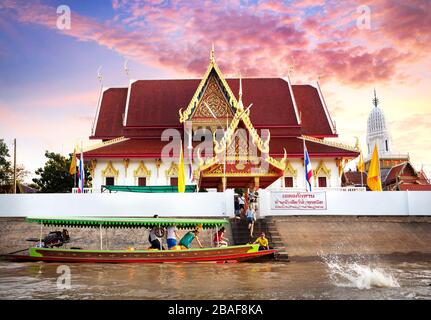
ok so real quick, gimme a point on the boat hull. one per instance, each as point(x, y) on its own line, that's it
point(222, 254)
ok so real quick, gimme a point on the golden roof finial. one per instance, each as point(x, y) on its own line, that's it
point(240, 105)
point(212, 55)
point(240, 87)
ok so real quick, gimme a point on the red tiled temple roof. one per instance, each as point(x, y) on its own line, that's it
point(155, 103)
point(414, 187)
point(354, 177)
point(309, 103)
point(110, 119)
point(395, 172)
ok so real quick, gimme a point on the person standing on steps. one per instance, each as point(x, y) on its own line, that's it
point(237, 208)
point(251, 218)
point(241, 202)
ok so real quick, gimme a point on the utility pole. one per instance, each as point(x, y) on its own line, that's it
point(14, 165)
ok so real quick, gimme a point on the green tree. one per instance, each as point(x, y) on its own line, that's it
point(4, 163)
point(55, 176)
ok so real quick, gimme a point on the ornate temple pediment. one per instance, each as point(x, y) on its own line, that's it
point(110, 171)
point(322, 170)
point(214, 90)
point(142, 170)
point(172, 171)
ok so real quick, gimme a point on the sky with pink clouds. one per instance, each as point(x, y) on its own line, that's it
point(48, 76)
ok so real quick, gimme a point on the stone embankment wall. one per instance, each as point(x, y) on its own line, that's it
point(302, 236)
point(308, 236)
point(14, 231)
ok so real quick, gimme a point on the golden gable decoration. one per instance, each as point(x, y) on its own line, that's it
point(110, 171)
point(142, 171)
point(185, 115)
point(322, 170)
point(172, 171)
point(290, 171)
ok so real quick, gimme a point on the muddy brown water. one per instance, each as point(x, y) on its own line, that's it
point(326, 277)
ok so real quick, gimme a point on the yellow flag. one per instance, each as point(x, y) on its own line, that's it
point(181, 173)
point(373, 179)
point(361, 165)
point(72, 169)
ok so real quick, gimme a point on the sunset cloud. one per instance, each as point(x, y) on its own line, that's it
point(177, 35)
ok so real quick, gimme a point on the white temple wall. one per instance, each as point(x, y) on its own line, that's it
point(332, 179)
point(330, 171)
point(157, 177)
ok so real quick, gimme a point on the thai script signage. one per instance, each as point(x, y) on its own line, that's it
point(281, 200)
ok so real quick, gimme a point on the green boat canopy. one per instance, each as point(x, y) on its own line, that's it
point(95, 222)
point(147, 189)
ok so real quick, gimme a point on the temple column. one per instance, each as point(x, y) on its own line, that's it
point(256, 183)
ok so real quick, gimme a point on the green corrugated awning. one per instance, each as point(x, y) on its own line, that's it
point(96, 222)
point(147, 189)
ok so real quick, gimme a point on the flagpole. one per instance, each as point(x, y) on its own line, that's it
point(305, 165)
point(82, 170)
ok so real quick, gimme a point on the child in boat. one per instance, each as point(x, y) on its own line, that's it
point(187, 239)
point(219, 239)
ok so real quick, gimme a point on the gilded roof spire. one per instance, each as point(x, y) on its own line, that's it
point(240, 87)
point(240, 105)
point(212, 55)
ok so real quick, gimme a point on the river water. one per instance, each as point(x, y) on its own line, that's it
point(326, 277)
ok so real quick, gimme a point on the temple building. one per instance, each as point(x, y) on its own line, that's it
point(256, 129)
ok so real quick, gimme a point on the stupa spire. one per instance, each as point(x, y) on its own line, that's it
point(375, 100)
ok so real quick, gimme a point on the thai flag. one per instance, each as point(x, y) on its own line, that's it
point(81, 174)
point(308, 169)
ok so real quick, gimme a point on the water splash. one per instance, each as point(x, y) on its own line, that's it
point(355, 273)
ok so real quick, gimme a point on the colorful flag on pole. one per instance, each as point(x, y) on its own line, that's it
point(181, 172)
point(308, 169)
point(81, 173)
point(361, 165)
point(72, 169)
point(373, 178)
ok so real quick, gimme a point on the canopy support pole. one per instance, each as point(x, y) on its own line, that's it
point(101, 237)
point(40, 238)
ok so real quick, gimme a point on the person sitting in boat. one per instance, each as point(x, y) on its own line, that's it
point(171, 236)
point(219, 238)
point(56, 239)
point(187, 239)
point(155, 240)
point(263, 242)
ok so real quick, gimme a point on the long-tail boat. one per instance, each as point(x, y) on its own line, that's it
point(235, 253)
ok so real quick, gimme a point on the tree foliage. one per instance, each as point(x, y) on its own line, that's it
point(4, 163)
point(55, 176)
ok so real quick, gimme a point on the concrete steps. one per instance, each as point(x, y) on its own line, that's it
point(241, 234)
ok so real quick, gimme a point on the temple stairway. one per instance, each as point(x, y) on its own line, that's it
point(241, 234)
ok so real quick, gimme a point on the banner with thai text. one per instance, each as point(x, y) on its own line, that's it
point(281, 200)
